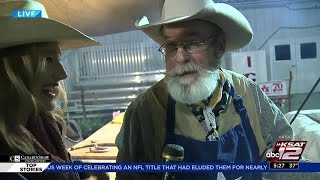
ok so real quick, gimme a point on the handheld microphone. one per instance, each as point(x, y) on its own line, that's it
point(172, 153)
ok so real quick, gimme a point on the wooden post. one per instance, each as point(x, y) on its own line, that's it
point(289, 93)
point(83, 105)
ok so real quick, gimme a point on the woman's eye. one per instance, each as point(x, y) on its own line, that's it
point(49, 59)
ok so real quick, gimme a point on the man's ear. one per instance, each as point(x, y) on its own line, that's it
point(221, 46)
point(221, 43)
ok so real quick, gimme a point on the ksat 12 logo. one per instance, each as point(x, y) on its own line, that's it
point(286, 151)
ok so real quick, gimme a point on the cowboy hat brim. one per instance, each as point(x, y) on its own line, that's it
point(18, 31)
point(235, 26)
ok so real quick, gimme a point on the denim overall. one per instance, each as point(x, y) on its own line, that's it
point(238, 145)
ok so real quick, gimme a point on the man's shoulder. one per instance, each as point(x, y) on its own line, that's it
point(157, 93)
point(149, 106)
point(238, 80)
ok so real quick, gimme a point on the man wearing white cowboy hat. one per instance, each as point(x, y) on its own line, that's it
point(216, 115)
point(30, 71)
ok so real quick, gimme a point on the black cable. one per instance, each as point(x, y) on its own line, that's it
point(315, 85)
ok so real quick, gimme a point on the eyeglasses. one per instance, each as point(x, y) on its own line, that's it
point(191, 47)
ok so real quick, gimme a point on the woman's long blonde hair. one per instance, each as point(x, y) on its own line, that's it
point(17, 103)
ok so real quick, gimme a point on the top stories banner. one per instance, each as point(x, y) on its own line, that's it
point(178, 167)
point(284, 157)
point(24, 163)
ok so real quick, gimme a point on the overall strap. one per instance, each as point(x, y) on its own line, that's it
point(245, 121)
point(237, 102)
point(170, 121)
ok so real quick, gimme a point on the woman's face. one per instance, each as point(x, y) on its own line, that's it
point(45, 84)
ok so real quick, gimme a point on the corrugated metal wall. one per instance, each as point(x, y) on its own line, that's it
point(121, 54)
point(110, 76)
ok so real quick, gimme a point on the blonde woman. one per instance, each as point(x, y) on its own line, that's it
point(30, 73)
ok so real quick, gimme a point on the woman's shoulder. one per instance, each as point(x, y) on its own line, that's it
point(5, 149)
point(12, 176)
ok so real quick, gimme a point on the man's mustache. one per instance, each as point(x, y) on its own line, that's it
point(189, 68)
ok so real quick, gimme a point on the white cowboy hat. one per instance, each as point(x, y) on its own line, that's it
point(235, 26)
point(18, 31)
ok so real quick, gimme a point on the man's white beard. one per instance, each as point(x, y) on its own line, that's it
point(191, 90)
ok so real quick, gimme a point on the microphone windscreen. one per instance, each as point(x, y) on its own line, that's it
point(173, 152)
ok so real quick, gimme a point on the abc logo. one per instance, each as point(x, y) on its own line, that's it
point(272, 155)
